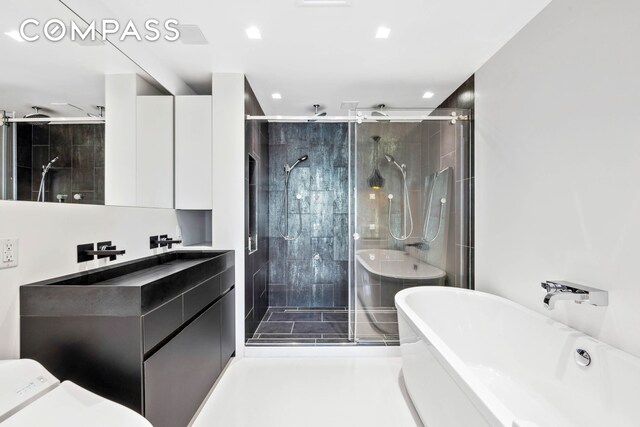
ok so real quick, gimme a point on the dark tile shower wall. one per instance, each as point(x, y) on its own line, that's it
point(257, 262)
point(80, 168)
point(463, 270)
point(312, 270)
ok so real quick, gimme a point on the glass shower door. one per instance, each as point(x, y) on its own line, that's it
point(404, 212)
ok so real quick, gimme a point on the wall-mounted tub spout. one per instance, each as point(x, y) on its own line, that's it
point(559, 290)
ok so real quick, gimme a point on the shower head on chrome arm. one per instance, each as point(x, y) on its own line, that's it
point(317, 114)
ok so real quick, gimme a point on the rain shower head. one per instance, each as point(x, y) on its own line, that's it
point(317, 114)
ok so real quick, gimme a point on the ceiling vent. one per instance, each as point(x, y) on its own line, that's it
point(324, 3)
point(349, 105)
point(191, 34)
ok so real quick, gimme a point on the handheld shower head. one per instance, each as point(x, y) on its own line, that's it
point(288, 168)
point(390, 159)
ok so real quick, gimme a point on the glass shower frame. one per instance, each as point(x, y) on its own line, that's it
point(456, 120)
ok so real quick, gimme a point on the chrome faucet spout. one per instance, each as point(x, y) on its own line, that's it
point(552, 297)
point(559, 290)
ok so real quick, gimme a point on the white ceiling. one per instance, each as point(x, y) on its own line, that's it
point(328, 54)
point(42, 73)
point(310, 55)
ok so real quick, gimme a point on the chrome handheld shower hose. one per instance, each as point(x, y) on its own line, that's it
point(406, 210)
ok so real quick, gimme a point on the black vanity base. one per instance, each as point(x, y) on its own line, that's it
point(152, 334)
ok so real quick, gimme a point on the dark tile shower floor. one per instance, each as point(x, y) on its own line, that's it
point(325, 326)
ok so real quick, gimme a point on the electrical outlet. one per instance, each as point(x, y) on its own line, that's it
point(9, 249)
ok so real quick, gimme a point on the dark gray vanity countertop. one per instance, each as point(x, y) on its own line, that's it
point(133, 288)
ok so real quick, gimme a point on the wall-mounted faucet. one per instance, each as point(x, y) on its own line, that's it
point(88, 252)
point(560, 290)
point(162, 241)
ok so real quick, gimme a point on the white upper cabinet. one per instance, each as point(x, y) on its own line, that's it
point(139, 147)
point(193, 153)
point(154, 152)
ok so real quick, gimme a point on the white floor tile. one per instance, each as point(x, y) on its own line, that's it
point(310, 392)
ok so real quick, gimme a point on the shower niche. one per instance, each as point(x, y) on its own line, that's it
point(252, 205)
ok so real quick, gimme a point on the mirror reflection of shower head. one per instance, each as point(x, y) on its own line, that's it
point(37, 115)
point(317, 114)
point(45, 169)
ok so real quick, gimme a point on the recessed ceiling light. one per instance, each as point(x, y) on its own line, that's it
point(276, 96)
point(15, 35)
point(428, 95)
point(254, 33)
point(383, 33)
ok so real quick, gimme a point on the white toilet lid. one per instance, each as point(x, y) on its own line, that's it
point(69, 405)
point(21, 383)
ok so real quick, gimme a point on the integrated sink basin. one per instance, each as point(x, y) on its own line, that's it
point(132, 288)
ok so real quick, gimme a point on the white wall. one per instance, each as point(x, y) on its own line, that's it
point(558, 164)
point(228, 180)
point(49, 234)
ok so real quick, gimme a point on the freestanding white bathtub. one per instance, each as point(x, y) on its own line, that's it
point(475, 359)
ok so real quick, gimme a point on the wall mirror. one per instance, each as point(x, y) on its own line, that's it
point(80, 120)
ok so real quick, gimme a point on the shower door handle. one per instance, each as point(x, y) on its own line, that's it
point(356, 236)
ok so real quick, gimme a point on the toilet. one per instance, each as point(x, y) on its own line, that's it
point(31, 396)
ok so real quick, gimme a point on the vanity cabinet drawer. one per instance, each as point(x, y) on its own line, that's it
point(161, 322)
point(178, 377)
point(227, 279)
point(228, 326)
point(200, 296)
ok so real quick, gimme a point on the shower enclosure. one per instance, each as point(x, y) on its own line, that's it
point(378, 202)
